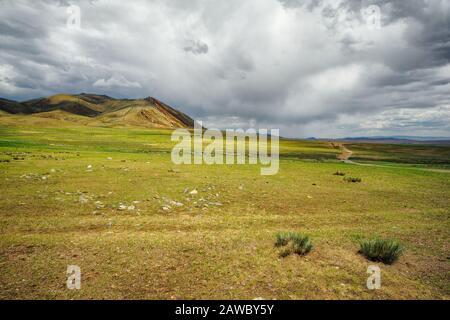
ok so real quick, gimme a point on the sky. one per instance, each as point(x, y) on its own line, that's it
point(309, 68)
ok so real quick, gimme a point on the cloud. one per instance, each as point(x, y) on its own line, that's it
point(310, 68)
point(196, 47)
point(116, 81)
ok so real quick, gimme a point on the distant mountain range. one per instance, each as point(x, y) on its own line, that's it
point(392, 140)
point(408, 138)
point(93, 109)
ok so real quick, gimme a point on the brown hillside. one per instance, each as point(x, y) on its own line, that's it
point(92, 109)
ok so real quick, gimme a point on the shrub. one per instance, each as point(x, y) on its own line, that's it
point(339, 173)
point(301, 245)
point(386, 251)
point(294, 243)
point(354, 180)
point(282, 238)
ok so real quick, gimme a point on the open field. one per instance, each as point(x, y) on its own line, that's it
point(219, 243)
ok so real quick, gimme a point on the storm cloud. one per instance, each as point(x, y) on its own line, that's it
point(311, 68)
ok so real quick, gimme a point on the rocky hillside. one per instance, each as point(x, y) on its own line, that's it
point(92, 109)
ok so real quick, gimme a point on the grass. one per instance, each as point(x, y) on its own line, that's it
point(219, 244)
point(293, 242)
point(386, 251)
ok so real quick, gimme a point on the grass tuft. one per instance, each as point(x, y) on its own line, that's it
point(386, 251)
point(354, 180)
point(293, 242)
point(339, 173)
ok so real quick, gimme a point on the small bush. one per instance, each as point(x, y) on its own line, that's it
point(282, 238)
point(339, 173)
point(386, 251)
point(354, 180)
point(301, 245)
point(294, 243)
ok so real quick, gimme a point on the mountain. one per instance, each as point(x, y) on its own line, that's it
point(399, 140)
point(93, 109)
point(14, 107)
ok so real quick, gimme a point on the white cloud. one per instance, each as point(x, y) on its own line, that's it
point(116, 81)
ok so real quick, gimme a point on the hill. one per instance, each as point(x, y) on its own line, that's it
point(92, 109)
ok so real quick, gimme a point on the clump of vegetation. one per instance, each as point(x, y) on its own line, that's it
point(386, 251)
point(293, 242)
point(354, 180)
point(339, 173)
point(282, 238)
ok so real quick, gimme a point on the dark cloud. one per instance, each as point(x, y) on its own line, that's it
point(197, 47)
point(307, 67)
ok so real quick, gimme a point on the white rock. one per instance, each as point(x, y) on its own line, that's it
point(82, 199)
point(122, 207)
point(99, 205)
point(131, 208)
point(166, 208)
point(89, 167)
point(194, 192)
point(109, 158)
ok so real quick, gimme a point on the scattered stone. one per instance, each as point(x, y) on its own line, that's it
point(177, 204)
point(166, 208)
point(131, 208)
point(82, 199)
point(109, 158)
point(241, 187)
point(52, 170)
point(122, 207)
point(193, 192)
point(99, 205)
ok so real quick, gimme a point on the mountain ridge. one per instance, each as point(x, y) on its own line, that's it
point(95, 109)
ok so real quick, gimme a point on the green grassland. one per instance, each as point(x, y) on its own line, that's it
point(219, 244)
